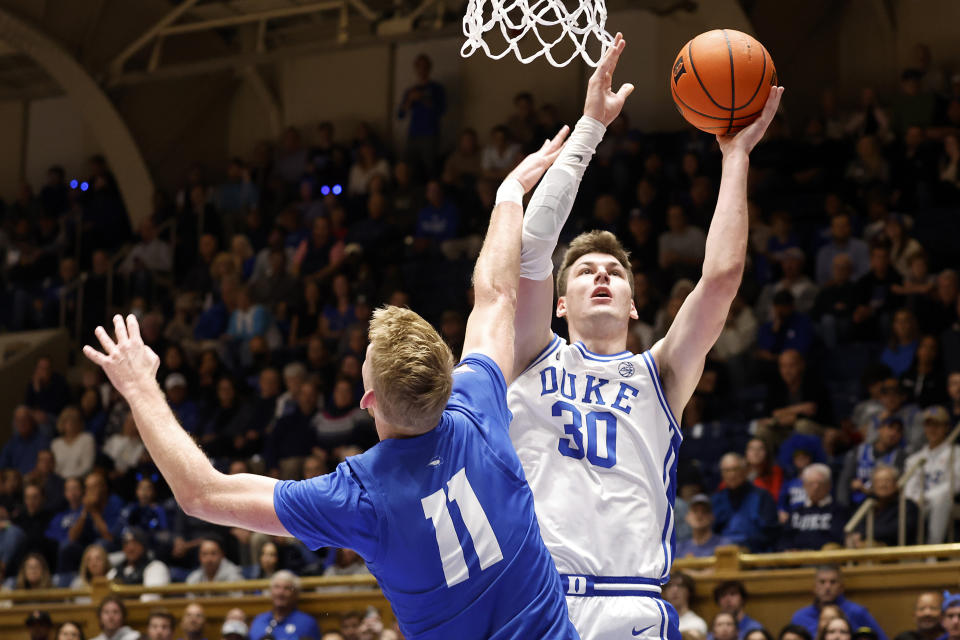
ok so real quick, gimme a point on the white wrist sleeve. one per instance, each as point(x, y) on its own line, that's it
point(510, 191)
point(553, 200)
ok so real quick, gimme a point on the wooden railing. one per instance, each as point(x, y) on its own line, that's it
point(885, 580)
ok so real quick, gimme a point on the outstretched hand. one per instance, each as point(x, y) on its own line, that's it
point(129, 363)
point(532, 168)
point(602, 103)
point(747, 138)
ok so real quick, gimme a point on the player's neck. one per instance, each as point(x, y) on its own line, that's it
point(599, 343)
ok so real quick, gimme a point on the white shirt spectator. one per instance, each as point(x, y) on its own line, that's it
point(154, 255)
point(125, 451)
point(495, 161)
point(74, 459)
point(359, 180)
point(155, 574)
point(226, 572)
point(690, 621)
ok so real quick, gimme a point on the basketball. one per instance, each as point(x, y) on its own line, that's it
point(720, 80)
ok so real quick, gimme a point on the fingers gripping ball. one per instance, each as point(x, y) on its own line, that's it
point(721, 79)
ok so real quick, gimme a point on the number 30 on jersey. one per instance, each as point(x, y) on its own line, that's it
point(601, 435)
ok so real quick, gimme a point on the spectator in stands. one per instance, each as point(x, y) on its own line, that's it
point(268, 561)
point(819, 520)
point(275, 285)
point(320, 255)
point(744, 514)
point(366, 167)
point(71, 631)
point(678, 593)
point(27, 441)
point(47, 392)
point(347, 562)
point(724, 627)
point(946, 308)
point(125, 449)
point(758, 634)
point(12, 541)
point(953, 395)
point(951, 615)
point(293, 436)
point(914, 106)
point(39, 625)
point(193, 620)
point(681, 246)
point(160, 624)
point(96, 523)
point(797, 402)
point(950, 342)
point(731, 598)
point(928, 614)
point(44, 476)
point(33, 519)
point(500, 155)
point(887, 449)
point(902, 347)
point(842, 242)
point(463, 166)
point(150, 255)
point(794, 632)
point(894, 399)
point(794, 280)
point(182, 406)
point(34, 573)
point(112, 614)
point(234, 630)
point(925, 377)
point(350, 625)
point(836, 302)
point(840, 629)
point(828, 589)
point(763, 471)
point(139, 567)
point(284, 621)
point(787, 329)
point(75, 449)
point(876, 300)
point(828, 613)
point(703, 542)
point(214, 566)
point(425, 102)
point(939, 482)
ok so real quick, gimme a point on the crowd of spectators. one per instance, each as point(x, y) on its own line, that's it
point(831, 616)
point(839, 364)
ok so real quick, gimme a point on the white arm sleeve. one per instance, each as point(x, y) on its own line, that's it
point(553, 199)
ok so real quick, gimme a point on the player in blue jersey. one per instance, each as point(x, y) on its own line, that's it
point(439, 509)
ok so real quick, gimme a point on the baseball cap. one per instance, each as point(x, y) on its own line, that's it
point(936, 414)
point(234, 627)
point(864, 633)
point(38, 617)
point(174, 380)
point(701, 498)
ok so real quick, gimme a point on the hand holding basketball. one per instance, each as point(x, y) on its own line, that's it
point(602, 103)
point(748, 138)
point(532, 168)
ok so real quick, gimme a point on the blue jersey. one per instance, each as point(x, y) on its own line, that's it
point(445, 522)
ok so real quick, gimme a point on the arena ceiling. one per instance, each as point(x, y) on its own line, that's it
point(130, 41)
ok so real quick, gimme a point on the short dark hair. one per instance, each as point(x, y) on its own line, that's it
point(685, 581)
point(118, 602)
point(728, 585)
point(766, 634)
point(795, 629)
point(162, 613)
point(593, 242)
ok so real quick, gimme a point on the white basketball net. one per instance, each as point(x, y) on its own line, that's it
point(517, 18)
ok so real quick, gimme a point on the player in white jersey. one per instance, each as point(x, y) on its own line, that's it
point(595, 426)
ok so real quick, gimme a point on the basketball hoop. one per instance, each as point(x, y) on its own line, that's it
point(517, 18)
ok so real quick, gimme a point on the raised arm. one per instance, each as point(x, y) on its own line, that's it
point(490, 325)
point(551, 204)
point(681, 355)
point(241, 500)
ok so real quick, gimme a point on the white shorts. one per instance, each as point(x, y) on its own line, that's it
point(623, 617)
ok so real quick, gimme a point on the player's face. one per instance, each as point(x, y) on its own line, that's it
point(597, 287)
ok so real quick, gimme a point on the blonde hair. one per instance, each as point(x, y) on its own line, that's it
point(69, 413)
point(411, 369)
point(46, 581)
point(593, 242)
point(83, 573)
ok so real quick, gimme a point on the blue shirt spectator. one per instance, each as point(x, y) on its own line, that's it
point(744, 514)
point(788, 329)
point(439, 219)
point(284, 621)
point(425, 102)
point(828, 589)
point(61, 523)
point(703, 541)
point(842, 242)
point(21, 450)
point(47, 390)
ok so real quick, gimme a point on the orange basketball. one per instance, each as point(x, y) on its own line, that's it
point(721, 79)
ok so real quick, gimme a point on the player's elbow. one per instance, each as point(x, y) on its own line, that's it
point(196, 496)
point(724, 279)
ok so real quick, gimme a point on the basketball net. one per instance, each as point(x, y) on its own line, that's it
point(549, 20)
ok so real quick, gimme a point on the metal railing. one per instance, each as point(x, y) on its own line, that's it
point(868, 507)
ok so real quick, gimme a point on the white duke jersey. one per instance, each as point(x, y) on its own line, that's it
point(599, 443)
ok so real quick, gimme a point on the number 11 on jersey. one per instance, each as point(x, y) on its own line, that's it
point(484, 540)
